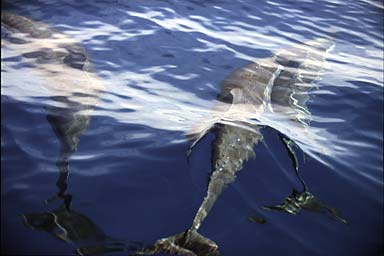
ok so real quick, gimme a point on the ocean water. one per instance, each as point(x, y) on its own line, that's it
point(159, 65)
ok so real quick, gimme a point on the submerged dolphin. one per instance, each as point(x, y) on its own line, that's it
point(63, 69)
point(278, 85)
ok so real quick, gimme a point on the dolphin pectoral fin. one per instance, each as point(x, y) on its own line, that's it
point(257, 219)
point(304, 200)
point(291, 204)
point(290, 145)
point(273, 208)
point(282, 208)
point(198, 137)
point(314, 205)
point(188, 243)
point(335, 213)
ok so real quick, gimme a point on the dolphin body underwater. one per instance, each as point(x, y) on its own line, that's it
point(63, 68)
point(278, 85)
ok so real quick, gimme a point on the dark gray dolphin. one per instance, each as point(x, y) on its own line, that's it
point(278, 85)
point(62, 67)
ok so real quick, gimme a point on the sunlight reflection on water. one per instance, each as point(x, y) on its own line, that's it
point(162, 63)
point(163, 104)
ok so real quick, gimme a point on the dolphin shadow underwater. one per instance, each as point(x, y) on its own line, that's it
point(278, 87)
point(65, 71)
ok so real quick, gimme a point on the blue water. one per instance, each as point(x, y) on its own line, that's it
point(161, 63)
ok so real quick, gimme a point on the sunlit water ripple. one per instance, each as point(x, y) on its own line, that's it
point(161, 63)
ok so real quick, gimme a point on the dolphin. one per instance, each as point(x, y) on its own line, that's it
point(64, 70)
point(277, 86)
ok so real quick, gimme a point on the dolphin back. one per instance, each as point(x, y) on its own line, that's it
point(301, 66)
point(60, 68)
point(49, 45)
point(24, 25)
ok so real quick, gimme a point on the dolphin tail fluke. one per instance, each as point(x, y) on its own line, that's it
point(188, 243)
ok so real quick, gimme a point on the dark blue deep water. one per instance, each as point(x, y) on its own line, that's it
point(161, 64)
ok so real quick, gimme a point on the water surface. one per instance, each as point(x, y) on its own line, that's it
point(161, 64)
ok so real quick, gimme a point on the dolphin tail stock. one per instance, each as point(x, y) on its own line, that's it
point(188, 243)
